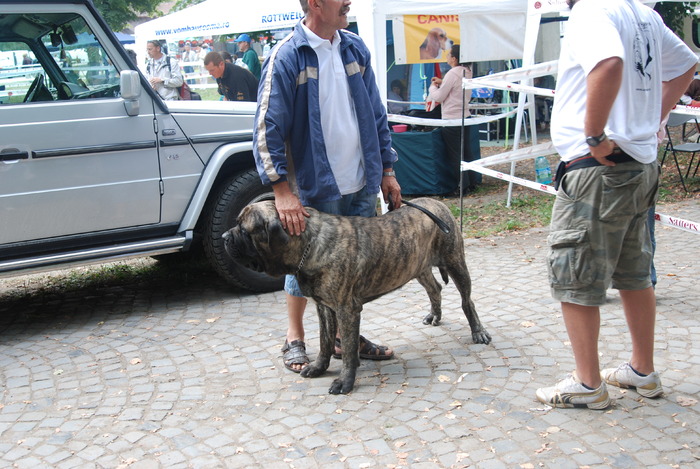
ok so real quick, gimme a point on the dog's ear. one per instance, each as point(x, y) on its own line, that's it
point(276, 234)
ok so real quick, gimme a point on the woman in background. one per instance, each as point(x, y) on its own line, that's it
point(448, 91)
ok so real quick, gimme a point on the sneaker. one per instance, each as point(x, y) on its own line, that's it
point(625, 377)
point(572, 393)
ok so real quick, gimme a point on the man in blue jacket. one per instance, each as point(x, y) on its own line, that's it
point(322, 140)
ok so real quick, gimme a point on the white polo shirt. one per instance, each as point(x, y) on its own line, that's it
point(651, 53)
point(341, 133)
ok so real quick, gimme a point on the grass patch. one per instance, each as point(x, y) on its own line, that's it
point(486, 219)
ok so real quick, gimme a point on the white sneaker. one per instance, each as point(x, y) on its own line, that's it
point(572, 393)
point(625, 377)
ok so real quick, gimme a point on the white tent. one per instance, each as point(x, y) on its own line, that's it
point(216, 17)
point(476, 19)
point(491, 26)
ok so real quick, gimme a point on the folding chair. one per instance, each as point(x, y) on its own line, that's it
point(678, 120)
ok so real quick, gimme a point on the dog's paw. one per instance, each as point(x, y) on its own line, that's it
point(431, 319)
point(339, 387)
point(312, 371)
point(481, 337)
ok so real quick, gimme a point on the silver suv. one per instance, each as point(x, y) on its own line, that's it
point(95, 167)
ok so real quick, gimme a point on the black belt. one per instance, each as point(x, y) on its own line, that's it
point(587, 161)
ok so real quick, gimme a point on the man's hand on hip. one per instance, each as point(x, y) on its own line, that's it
point(602, 151)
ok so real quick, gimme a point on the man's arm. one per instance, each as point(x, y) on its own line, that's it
point(602, 85)
point(176, 78)
point(273, 120)
point(672, 90)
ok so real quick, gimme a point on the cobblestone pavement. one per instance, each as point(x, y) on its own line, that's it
point(188, 374)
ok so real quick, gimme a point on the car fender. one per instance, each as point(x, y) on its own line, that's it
point(220, 156)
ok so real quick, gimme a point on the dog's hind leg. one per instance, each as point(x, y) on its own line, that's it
point(434, 289)
point(349, 323)
point(457, 269)
point(327, 326)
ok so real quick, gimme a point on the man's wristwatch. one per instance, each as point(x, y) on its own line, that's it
point(389, 174)
point(595, 141)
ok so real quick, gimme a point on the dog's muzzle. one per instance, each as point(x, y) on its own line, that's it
point(240, 248)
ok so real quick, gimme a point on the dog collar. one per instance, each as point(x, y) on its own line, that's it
point(303, 259)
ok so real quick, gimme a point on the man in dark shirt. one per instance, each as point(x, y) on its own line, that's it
point(235, 83)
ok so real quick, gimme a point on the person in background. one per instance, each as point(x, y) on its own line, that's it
point(226, 55)
point(621, 71)
point(449, 93)
point(132, 56)
point(397, 93)
point(238, 61)
point(188, 56)
point(322, 140)
point(691, 97)
point(235, 83)
point(163, 73)
point(250, 58)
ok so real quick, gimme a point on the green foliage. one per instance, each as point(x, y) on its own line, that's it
point(120, 12)
point(182, 4)
point(673, 14)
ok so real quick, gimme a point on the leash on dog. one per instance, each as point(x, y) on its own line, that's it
point(439, 222)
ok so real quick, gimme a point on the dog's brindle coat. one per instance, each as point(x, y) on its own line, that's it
point(344, 262)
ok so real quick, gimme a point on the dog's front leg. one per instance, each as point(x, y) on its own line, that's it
point(349, 324)
point(327, 327)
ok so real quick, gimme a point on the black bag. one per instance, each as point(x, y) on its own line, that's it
point(186, 93)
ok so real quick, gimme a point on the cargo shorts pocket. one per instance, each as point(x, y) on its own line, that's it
point(621, 197)
point(568, 253)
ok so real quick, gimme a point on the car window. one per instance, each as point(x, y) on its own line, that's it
point(53, 57)
point(18, 67)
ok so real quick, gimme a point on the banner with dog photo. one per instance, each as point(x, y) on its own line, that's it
point(424, 38)
point(427, 38)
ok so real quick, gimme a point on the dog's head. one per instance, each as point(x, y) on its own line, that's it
point(435, 42)
point(258, 241)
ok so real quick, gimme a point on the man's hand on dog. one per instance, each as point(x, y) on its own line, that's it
point(292, 214)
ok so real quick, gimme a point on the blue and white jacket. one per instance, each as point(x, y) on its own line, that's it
point(288, 140)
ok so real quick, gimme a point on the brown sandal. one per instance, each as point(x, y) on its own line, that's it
point(295, 354)
point(368, 350)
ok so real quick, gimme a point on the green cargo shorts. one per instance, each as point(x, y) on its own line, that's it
point(599, 235)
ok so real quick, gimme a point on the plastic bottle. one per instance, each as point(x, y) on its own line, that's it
point(543, 173)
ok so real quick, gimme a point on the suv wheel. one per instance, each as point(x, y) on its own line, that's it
point(237, 192)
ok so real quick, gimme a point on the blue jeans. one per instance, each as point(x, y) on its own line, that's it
point(359, 204)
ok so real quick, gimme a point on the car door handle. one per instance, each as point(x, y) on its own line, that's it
point(13, 155)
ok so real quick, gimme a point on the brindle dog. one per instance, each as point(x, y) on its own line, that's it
point(344, 262)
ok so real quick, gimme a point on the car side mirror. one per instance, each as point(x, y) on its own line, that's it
point(130, 89)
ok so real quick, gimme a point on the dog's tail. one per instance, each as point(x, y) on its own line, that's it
point(443, 273)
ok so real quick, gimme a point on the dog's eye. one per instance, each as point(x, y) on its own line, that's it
point(443, 35)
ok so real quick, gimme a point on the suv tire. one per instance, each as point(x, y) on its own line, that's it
point(236, 192)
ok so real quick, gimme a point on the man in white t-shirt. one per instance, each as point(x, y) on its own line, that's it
point(620, 71)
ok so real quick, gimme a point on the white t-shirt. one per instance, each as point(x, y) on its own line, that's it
point(341, 134)
point(651, 53)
